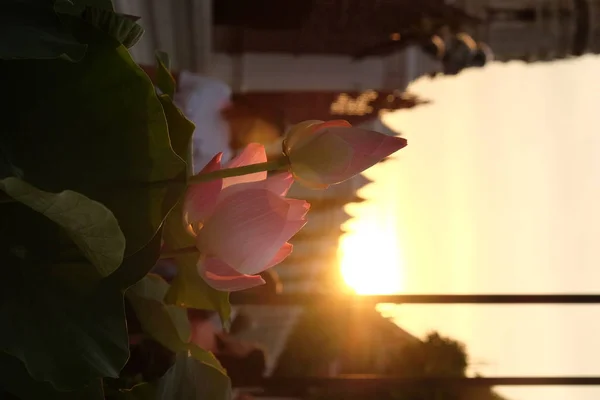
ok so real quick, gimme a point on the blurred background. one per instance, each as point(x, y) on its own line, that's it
point(497, 192)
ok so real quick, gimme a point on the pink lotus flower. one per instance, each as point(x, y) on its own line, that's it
point(242, 224)
point(324, 153)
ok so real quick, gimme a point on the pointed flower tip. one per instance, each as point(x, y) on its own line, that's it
point(214, 164)
point(397, 142)
point(253, 153)
point(201, 198)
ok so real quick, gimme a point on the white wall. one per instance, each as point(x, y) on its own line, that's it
point(286, 72)
point(277, 72)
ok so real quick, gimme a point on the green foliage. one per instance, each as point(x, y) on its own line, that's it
point(181, 129)
point(76, 7)
point(120, 27)
point(136, 266)
point(103, 134)
point(92, 164)
point(52, 295)
point(188, 378)
point(16, 380)
point(54, 329)
point(167, 324)
point(91, 226)
point(31, 29)
point(164, 80)
point(142, 391)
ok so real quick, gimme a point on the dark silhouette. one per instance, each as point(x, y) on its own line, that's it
point(435, 356)
point(246, 371)
point(329, 342)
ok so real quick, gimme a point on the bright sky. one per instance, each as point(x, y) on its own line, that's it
point(498, 191)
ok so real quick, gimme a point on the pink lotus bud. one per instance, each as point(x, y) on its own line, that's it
point(242, 224)
point(324, 153)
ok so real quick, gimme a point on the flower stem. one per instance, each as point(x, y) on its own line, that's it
point(245, 170)
point(179, 252)
point(274, 165)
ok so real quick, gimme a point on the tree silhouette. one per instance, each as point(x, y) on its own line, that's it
point(437, 356)
point(363, 342)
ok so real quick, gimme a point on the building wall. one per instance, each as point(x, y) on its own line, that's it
point(167, 28)
point(286, 72)
point(547, 37)
point(174, 27)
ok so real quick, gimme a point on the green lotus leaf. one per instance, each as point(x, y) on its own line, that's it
point(91, 226)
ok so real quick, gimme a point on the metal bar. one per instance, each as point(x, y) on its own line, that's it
point(290, 299)
point(367, 382)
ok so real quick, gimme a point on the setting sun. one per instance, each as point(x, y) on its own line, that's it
point(370, 257)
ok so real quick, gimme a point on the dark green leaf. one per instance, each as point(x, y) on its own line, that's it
point(162, 57)
point(33, 237)
point(76, 7)
point(16, 380)
point(167, 324)
point(143, 391)
point(199, 377)
point(137, 265)
point(207, 358)
point(31, 29)
point(103, 134)
point(181, 129)
point(91, 226)
point(164, 80)
point(188, 289)
point(191, 379)
point(6, 166)
point(119, 26)
point(63, 336)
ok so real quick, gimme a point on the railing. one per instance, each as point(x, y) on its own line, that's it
point(304, 299)
point(371, 382)
point(278, 386)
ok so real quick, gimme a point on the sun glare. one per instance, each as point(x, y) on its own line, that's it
point(370, 259)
